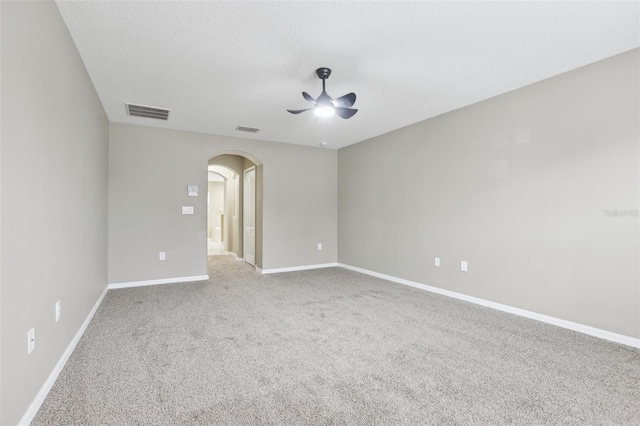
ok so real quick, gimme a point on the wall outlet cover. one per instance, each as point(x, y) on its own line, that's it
point(187, 209)
point(463, 266)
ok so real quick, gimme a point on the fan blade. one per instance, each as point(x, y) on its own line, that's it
point(298, 111)
point(309, 98)
point(345, 101)
point(345, 112)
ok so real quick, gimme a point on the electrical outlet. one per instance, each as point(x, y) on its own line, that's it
point(57, 311)
point(31, 340)
point(437, 262)
point(162, 256)
point(463, 266)
point(187, 209)
point(319, 246)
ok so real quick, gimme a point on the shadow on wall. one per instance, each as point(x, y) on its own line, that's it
point(245, 242)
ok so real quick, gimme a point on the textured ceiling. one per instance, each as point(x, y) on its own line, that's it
point(217, 65)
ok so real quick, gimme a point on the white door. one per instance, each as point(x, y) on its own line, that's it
point(249, 216)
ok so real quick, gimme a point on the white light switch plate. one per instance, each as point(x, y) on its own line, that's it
point(463, 266)
point(437, 262)
point(57, 311)
point(187, 209)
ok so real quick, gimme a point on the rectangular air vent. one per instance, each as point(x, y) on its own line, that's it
point(147, 111)
point(247, 129)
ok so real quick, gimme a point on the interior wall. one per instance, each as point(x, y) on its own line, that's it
point(0, 221)
point(260, 212)
point(54, 197)
point(149, 170)
point(520, 187)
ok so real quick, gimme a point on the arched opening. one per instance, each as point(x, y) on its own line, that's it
point(222, 189)
point(234, 217)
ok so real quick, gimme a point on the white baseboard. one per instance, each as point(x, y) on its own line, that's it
point(48, 384)
point(581, 328)
point(155, 282)
point(296, 268)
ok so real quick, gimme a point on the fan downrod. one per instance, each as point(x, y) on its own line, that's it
point(323, 73)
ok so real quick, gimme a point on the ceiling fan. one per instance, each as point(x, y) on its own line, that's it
point(324, 105)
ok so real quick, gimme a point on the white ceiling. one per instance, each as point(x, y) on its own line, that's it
point(217, 65)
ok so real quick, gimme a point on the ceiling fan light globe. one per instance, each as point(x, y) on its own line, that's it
point(324, 111)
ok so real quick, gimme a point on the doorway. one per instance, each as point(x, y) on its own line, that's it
point(234, 219)
point(221, 189)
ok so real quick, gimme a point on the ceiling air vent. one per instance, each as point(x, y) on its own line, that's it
point(247, 129)
point(147, 111)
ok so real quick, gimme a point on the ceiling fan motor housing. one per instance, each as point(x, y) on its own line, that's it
point(323, 72)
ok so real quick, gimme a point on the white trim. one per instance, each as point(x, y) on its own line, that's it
point(581, 328)
point(296, 268)
point(154, 282)
point(48, 384)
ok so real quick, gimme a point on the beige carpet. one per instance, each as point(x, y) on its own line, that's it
point(329, 347)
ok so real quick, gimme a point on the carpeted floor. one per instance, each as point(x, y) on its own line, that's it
point(327, 347)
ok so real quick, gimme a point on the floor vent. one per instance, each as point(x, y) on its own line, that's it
point(247, 129)
point(147, 111)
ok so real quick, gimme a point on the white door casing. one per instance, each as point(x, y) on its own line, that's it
point(249, 216)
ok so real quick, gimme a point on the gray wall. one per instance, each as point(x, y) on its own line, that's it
point(517, 186)
point(54, 197)
point(149, 170)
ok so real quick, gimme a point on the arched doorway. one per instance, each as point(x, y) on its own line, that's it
point(238, 219)
point(222, 190)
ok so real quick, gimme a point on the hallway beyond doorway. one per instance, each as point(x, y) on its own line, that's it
point(215, 248)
